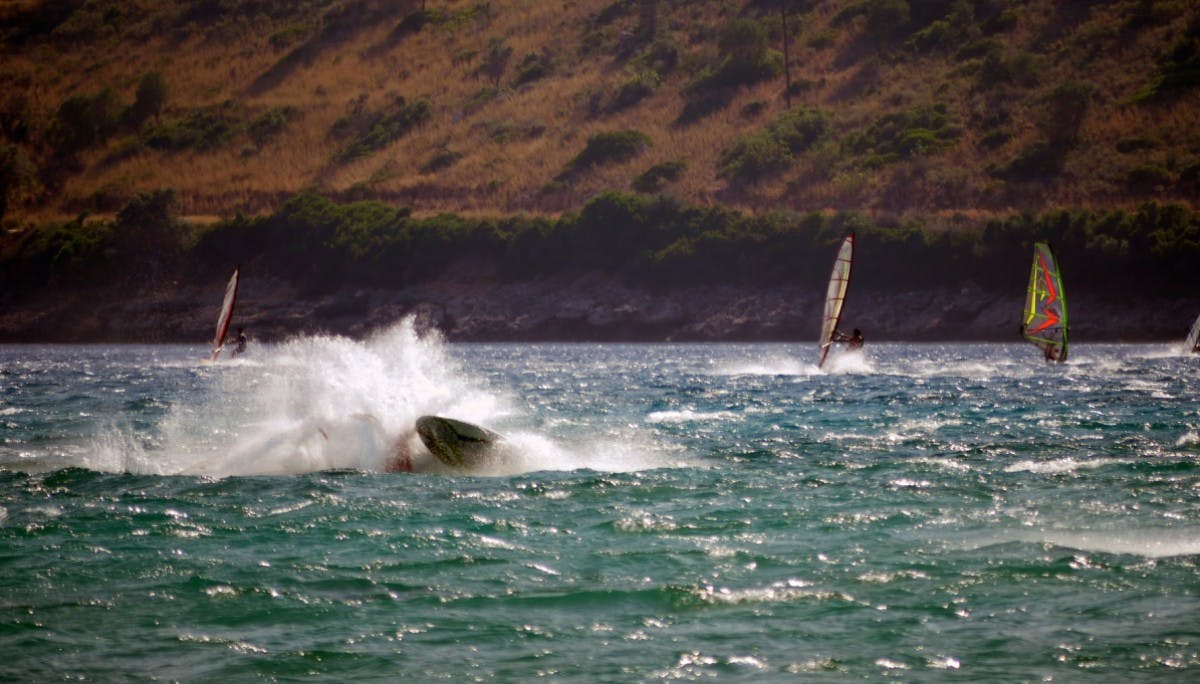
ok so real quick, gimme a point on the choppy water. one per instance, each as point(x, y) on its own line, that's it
point(676, 512)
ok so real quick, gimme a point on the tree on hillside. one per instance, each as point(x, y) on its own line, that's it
point(495, 60)
point(17, 175)
point(148, 232)
point(82, 121)
point(150, 100)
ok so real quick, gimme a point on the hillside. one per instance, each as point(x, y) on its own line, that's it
point(938, 108)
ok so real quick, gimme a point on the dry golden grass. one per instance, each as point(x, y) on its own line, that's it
point(846, 77)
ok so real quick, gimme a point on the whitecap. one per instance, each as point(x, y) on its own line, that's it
point(689, 416)
point(1059, 466)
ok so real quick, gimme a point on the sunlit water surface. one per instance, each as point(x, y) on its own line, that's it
point(668, 512)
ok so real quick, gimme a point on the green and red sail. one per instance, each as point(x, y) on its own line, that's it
point(1045, 322)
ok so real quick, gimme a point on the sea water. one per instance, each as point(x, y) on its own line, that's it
point(918, 512)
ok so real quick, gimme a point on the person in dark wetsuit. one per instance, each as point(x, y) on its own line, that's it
point(241, 343)
point(854, 341)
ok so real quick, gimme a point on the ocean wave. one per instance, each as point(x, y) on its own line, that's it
point(689, 416)
point(1059, 466)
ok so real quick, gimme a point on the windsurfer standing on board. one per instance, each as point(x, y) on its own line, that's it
point(854, 341)
point(1051, 352)
point(241, 342)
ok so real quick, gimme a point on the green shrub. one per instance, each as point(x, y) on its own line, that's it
point(656, 177)
point(639, 86)
point(887, 19)
point(270, 123)
point(494, 61)
point(290, 35)
point(479, 99)
point(1135, 143)
point(1148, 178)
point(83, 121)
point(754, 157)
point(800, 129)
point(379, 129)
point(1020, 70)
point(150, 100)
point(18, 176)
point(149, 235)
point(442, 159)
point(823, 39)
point(661, 57)
point(1179, 69)
point(73, 253)
point(757, 156)
point(507, 130)
point(610, 147)
point(1067, 106)
point(923, 130)
point(534, 66)
point(744, 58)
point(202, 129)
point(414, 22)
point(937, 37)
point(1037, 162)
point(994, 138)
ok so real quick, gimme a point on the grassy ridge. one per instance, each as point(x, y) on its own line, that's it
point(891, 107)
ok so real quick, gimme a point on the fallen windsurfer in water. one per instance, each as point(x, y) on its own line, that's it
point(456, 444)
point(854, 341)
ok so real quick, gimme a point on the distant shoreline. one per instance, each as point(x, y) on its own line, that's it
point(588, 308)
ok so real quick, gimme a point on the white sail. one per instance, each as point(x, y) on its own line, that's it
point(1193, 338)
point(835, 295)
point(226, 314)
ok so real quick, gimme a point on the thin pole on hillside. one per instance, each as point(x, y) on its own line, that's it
point(787, 67)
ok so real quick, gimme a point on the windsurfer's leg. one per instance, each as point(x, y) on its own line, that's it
point(401, 458)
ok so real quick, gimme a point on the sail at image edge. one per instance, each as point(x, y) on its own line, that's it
point(1192, 342)
point(835, 295)
point(1045, 321)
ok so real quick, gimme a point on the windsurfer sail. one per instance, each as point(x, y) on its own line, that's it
point(835, 295)
point(1192, 343)
point(1045, 322)
point(226, 314)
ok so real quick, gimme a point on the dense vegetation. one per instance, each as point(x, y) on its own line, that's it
point(666, 141)
point(650, 240)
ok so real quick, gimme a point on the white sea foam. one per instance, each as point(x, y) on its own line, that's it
point(1059, 465)
point(848, 363)
point(1150, 543)
point(689, 416)
point(327, 402)
point(1190, 438)
point(772, 365)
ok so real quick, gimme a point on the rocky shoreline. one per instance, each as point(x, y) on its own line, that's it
point(587, 307)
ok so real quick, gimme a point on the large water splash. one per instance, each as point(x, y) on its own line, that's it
point(325, 402)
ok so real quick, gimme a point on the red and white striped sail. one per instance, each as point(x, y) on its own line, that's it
point(226, 314)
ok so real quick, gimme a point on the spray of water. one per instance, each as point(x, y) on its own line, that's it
point(326, 402)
